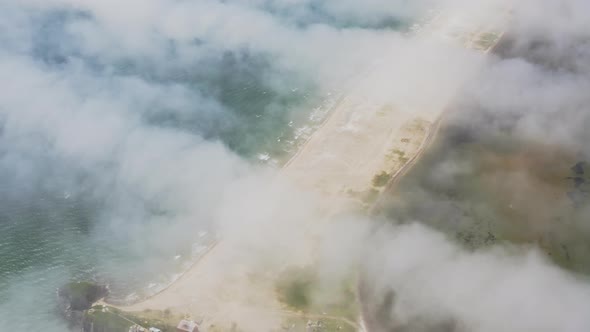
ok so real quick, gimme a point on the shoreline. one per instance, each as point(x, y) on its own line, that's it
point(321, 164)
point(212, 246)
point(181, 275)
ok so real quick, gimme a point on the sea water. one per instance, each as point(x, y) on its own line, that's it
point(48, 235)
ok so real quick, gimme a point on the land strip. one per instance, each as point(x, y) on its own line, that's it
point(360, 139)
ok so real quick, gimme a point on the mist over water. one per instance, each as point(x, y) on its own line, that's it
point(119, 135)
point(57, 220)
point(126, 131)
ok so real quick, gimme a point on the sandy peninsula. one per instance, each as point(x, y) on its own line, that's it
point(363, 136)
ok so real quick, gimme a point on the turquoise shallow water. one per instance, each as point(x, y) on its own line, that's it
point(51, 235)
point(55, 231)
point(52, 232)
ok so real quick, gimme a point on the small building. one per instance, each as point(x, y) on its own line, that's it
point(187, 326)
point(154, 329)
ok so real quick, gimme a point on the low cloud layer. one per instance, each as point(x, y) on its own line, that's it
point(436, 285)
point(114, 102)
point(531, 99)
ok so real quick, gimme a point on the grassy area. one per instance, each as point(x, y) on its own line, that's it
point(370, 196)
point(109, 319)
point(303, 324)
point(301, 290)
point(367, 197)
point(81, 295)
point(399, 155)
point(295, 287)
point(104, 320)
point(398, 152)
point(484, 190)
point(487, 39)
point(381, 179)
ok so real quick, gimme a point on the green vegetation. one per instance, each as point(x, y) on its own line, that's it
point(370, 196)
point(108, 319)
point(398, 152)
point(295, 287)
point(381, 179)
point(80, 296)
point(487, 39)
point(485, 190)
point(304, 324)
point(347, 305)
point(399, 155)
point(367, 197)
point(301, 290)
point(419, 124)
point(101, 319)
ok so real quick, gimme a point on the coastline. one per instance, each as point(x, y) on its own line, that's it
point(332, 162)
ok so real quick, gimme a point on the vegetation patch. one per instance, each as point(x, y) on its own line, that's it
point(398, 152)
point(295, 287)
point(108, 319)
point(80, 296)
point(399, 155)
point(370, 196)
point(419, 125)
point(334, 304)
point(505, 191)
point(100, 319)
point(308, 324)
point(381, 179)
point(487, 39)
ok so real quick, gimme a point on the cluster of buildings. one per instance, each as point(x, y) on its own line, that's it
point(313, 326)
point(183, 326)
point(187, 326)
